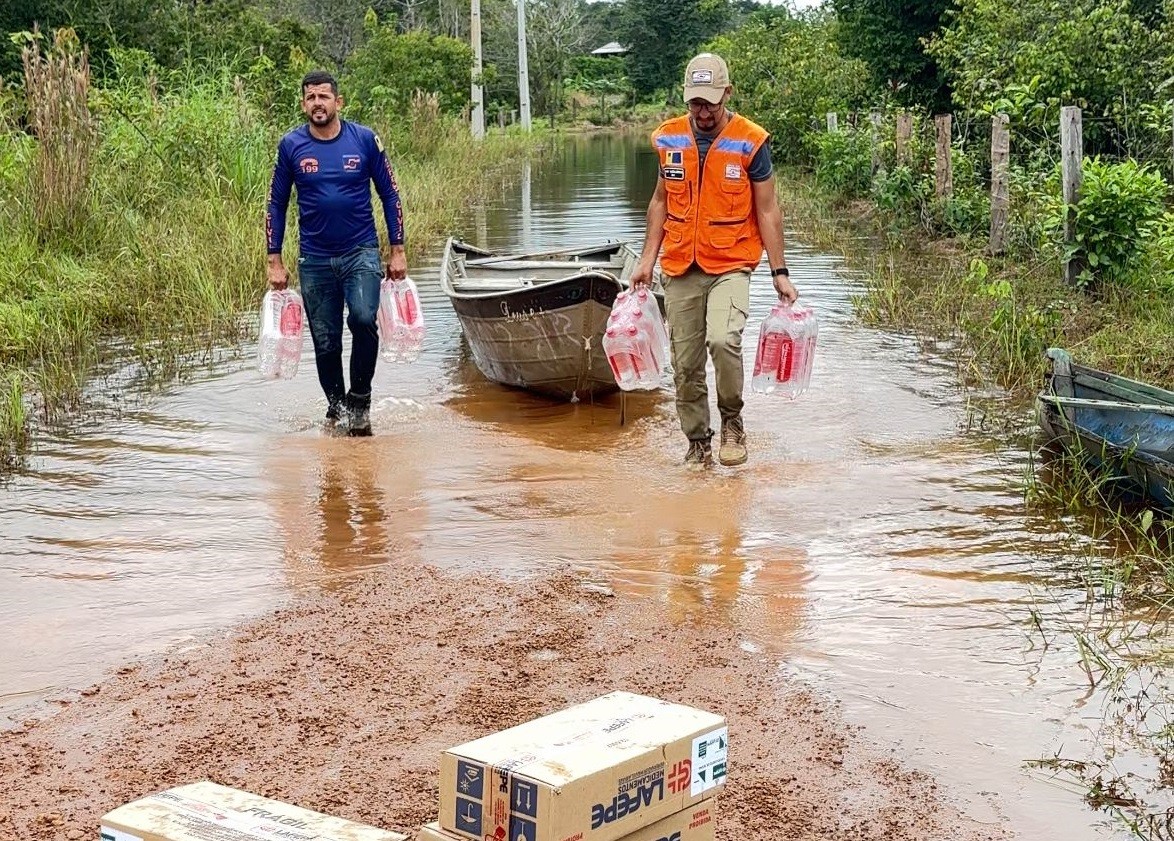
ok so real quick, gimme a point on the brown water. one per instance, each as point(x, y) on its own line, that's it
point(872, 540)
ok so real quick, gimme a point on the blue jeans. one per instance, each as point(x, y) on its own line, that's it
point(327, 283)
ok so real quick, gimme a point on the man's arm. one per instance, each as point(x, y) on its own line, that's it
point(770, 226)
point(653, 235)
point(279, 190)
point(393, 212)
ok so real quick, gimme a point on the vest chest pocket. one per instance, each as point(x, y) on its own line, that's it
point(678, 196)
point(736, 197)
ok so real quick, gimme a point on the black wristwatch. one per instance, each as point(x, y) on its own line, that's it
point(781, 270)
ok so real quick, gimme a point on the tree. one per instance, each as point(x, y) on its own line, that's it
point(20, 16)
point(601, 23)
point(386, 71)
point(662, 35)
point(1030, 59)
point(888, 35)
point(554, 33)
point(786, 71)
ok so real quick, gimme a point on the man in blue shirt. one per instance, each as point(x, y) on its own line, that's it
point(333, 162)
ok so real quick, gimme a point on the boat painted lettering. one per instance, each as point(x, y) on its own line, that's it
point(520, 315)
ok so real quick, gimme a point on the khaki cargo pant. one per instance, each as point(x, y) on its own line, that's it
point(706, 313)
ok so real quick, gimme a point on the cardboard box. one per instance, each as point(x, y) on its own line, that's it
point(206, 811)
point(592, 772)
point(693, 824)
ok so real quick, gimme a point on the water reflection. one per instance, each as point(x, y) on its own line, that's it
point(695, 551)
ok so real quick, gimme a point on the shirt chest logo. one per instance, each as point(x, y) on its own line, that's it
point(308, 165)
point(351, 163)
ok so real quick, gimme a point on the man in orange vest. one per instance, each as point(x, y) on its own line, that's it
point(714, 211)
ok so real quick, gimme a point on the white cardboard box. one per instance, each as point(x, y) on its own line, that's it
point(206, 811)
point(595, 771)
point(693, 824)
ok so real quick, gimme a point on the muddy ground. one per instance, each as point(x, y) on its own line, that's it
point(343, 702)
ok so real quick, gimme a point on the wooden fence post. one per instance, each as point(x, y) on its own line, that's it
point(904, 133)
point(833, 121)
point(943, 169)
point(875, 116)
point(1000, 182)
point(1071, 161)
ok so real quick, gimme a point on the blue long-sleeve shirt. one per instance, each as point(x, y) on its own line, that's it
point(333, 180)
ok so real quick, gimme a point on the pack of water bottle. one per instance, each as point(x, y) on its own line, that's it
point(279, 346)
point(636, 340)
point(400, 319)
point(786, 350)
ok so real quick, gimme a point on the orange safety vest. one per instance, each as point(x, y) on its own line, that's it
point(711, 219)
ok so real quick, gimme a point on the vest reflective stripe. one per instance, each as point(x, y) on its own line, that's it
point(711, 218)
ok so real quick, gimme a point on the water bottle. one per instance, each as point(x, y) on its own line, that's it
point(400, 319)
point(786, 350)
point(651, 310)
point(291, 334)
point(632, 347)
point(279, 346)
point(807, 355)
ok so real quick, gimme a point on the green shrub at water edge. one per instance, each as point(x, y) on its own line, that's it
point(1117, 219)
point(844, 162)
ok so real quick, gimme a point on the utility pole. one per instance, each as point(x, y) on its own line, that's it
point(523, 74)
point(478, 116)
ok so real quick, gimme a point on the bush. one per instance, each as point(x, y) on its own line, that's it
point(844, 162)
point(384, 75)
point(1118, 217)
point(905, 195)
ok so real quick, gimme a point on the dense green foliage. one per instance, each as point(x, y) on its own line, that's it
point(788, 72)
point(888, 36)
point(390, 68)
point(662, 35)
point(1028, 59)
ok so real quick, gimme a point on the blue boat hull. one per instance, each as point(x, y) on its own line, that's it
point(1134, 444)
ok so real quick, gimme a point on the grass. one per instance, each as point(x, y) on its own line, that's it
point(153, 251)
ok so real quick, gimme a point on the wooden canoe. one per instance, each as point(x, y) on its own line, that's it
point(1111, 422)
point(536, 320)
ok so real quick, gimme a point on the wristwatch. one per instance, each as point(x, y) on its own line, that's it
point(781, 270)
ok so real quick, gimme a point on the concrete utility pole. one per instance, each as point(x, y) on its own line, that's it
point(523, 74)
point(478, 115)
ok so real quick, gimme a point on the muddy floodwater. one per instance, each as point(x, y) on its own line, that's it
point(875, 542)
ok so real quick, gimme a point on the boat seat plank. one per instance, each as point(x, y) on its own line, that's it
point(503, 285)
point(515, 265)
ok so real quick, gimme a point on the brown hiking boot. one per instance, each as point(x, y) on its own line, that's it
point(733, 448)
point(700, 455)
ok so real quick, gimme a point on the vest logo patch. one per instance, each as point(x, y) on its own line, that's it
point(733, 171)
point(673, 173)
point(673, 157)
